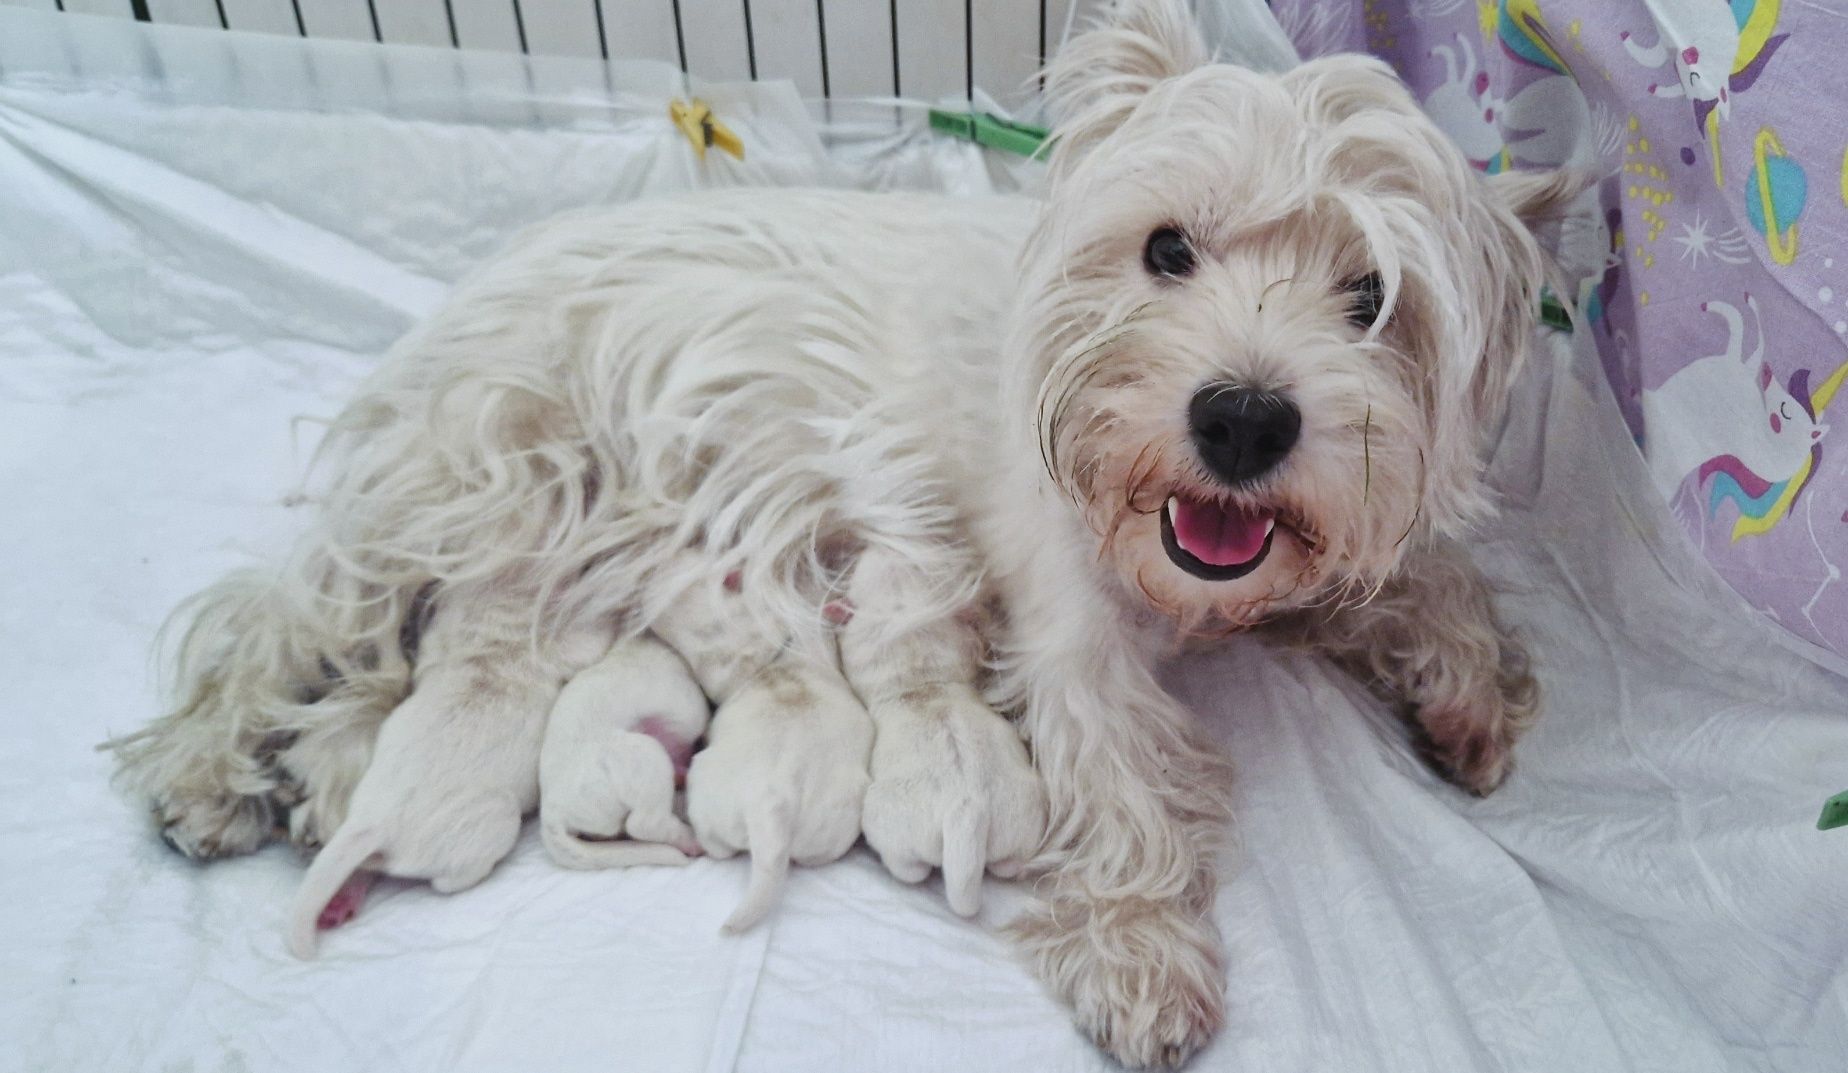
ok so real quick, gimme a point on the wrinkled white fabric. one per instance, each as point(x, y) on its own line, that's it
point(185, 268)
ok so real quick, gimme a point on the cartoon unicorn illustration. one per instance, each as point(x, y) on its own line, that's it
point(1724, 47)
point(1524, 36)
point(1591, 252)
point(1463, 107)
point(1725, 417)
point(1548, 123)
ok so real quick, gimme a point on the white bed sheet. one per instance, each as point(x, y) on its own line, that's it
point(184, 270)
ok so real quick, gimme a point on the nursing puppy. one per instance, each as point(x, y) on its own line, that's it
point(784, 771)
point(617, 742)
point(1237, 370)
point(455, 768)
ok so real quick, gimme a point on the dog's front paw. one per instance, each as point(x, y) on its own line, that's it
point(1471, 743)
point(1144, 979)
point(953, 789)
point(206, 826)
point(1469, 755)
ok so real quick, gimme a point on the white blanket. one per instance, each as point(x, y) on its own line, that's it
point(186, 268)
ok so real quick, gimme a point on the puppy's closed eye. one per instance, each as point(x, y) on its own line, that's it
point(1366, 295)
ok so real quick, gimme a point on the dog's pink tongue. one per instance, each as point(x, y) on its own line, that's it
point(1218, 535)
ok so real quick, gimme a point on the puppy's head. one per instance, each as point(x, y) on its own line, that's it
point(1266, 321)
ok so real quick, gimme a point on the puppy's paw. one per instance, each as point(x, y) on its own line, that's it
point(1144, 979)
point(952, 788)
point(219, 825)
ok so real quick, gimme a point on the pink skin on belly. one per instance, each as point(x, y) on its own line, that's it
point(345, 903)
point(679, 749)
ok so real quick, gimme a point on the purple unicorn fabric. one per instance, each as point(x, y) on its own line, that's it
point(1712, 269)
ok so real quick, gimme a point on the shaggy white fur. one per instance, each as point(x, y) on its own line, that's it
point(1238, 368)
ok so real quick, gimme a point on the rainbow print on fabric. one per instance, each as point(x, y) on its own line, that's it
point(1524, 36)
point(1761, 504)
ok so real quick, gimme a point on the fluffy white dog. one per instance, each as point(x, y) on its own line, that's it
point(784, 768)
point(1239, 367)
point(618, 741)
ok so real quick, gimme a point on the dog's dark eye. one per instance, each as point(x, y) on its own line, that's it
point(1168, 254)
point(1365, 297)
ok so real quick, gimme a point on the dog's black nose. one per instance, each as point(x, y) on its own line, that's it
point(1242, 433)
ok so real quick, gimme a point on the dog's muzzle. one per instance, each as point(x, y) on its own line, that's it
point(1242, 433)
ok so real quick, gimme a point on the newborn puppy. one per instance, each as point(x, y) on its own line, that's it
point(617, 743)
point(784, 770)
point(456, 766)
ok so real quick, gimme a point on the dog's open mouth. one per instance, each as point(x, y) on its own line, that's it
point(1215, 541)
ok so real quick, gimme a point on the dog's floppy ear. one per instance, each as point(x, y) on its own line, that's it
point(1536, 197)
point(1101, 74)
point(1506, 271)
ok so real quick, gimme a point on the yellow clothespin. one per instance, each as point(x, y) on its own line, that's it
point(694, 118)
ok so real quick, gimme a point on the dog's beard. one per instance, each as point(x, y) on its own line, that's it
point(1207, 558)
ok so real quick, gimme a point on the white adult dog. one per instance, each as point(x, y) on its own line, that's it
point(1239, 367)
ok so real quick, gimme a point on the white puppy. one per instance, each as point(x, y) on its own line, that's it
point(916, 673)
point(784, 770)
point(455, 767)
point(618, 742)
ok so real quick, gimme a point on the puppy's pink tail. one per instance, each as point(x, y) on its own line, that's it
point(770, 838)
point(346, 853)
point(569, 851)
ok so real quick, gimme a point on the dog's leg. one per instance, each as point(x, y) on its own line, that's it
point(1139, 802)
point(1430, 640)
point(277, 699)
point(951, 783)
point(203, 767)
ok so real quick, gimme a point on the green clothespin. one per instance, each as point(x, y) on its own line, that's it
point(1834, 812)
point(1552, 313)
point(989, 130)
